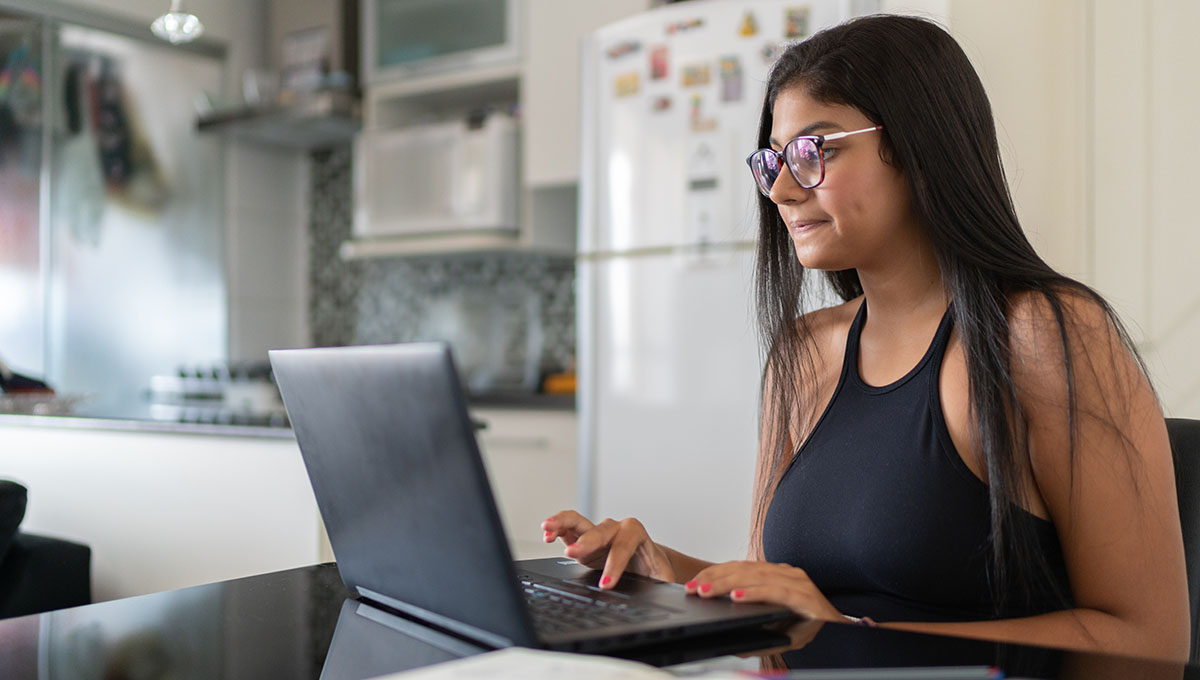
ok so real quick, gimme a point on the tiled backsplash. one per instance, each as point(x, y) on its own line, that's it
point(510, 316)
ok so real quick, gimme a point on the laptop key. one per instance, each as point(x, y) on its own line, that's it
point(560, 607)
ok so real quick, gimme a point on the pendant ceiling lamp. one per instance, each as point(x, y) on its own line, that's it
point(177, 26)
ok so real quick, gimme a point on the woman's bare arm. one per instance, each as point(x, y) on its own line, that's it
point(1113, 504)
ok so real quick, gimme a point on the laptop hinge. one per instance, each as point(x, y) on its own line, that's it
point(486, 637)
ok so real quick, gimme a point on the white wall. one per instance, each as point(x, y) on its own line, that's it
point(1144, 143)
point(1096, 108)
point(266, 249)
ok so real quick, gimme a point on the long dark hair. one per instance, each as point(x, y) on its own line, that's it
point(910, 76)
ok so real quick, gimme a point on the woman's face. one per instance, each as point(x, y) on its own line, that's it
point(856, 216)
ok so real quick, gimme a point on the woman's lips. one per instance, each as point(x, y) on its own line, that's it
point(801, 227)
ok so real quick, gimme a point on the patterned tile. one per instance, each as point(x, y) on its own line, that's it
point(510, 316)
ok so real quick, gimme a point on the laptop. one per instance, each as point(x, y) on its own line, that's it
point(391, 454)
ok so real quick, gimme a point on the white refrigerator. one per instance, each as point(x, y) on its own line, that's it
point(668, 357)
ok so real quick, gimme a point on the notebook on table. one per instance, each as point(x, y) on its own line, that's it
point(391, 453)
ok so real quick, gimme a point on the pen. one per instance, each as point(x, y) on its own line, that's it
point(912, 673)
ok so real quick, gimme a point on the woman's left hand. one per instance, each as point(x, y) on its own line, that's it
point(768, 582)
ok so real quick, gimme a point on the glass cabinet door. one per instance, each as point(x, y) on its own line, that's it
point(418, 36)
point(136, 216)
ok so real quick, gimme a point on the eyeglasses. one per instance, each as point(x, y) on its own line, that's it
point(805, 158)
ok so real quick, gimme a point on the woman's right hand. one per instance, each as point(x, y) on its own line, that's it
point(614, 547)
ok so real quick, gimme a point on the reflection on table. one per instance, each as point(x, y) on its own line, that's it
point(303, 623)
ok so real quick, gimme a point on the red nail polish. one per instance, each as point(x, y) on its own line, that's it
point(605, 581)
point(690, 584)
point(706, 587)
point(739, 594)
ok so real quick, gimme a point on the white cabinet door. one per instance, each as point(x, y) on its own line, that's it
point(550, 83)
point(530, 457)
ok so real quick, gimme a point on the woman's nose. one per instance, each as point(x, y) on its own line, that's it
point(786, 189)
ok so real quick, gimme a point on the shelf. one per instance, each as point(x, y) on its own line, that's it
point(397, 246)
point(316, 121)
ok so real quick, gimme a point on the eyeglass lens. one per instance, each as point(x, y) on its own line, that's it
point(803, 158)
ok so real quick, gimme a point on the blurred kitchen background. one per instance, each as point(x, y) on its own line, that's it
point(338, 172)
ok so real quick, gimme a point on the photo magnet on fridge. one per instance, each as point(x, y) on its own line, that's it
point(659, 62)
point(696, 116)
point(769, 52)
point(795, 23)
point(731, 78)
point(627, 84)
point(696, 74)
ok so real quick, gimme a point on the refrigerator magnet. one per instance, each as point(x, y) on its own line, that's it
point(627, 84)
point(769, 52)
point(795, 23)
point(684, 26)
point(622, 48)
point(700, 122)
point(661, 103)
point(749, 26)
point(659, 61)
point(695, 75)
point(731, 78)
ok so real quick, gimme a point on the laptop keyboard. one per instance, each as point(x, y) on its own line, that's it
point(557, 606)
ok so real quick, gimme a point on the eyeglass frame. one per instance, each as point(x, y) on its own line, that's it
point(781, 156)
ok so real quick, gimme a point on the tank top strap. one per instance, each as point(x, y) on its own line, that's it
point(850, 358)
point(941, 339)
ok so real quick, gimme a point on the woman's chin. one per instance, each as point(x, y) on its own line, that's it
point(810, 260)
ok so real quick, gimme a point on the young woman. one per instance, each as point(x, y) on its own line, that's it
point(969, 443)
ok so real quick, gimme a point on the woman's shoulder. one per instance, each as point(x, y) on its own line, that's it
point(1065, 335)
point(1040, 320)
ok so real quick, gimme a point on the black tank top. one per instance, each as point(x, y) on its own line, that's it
point(882, 513)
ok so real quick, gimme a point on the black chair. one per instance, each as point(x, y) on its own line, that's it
point(1185, 447)
point(38, 573)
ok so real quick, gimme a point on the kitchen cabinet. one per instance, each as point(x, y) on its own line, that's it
point(531, 462)
point(551, 83)
point(164, 510)
point(543, 87)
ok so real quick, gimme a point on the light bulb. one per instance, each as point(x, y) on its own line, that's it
point(177, 26)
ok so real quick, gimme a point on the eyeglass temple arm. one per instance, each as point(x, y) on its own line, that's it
point(839, 135)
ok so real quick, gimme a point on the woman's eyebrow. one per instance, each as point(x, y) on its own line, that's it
point(810, 129)
point(819, 125)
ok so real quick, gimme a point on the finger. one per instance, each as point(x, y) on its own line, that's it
point(592, 546)
point(630, 537)
point(720, 579)
point(717, 572)
point(568, 520)
point(801, 602)
point(567, 524)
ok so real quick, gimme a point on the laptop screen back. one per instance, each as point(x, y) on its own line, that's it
point(394, 465)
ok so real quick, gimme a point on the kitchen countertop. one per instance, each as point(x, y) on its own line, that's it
point(144, 417)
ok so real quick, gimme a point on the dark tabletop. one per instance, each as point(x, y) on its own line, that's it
point(302, 623)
